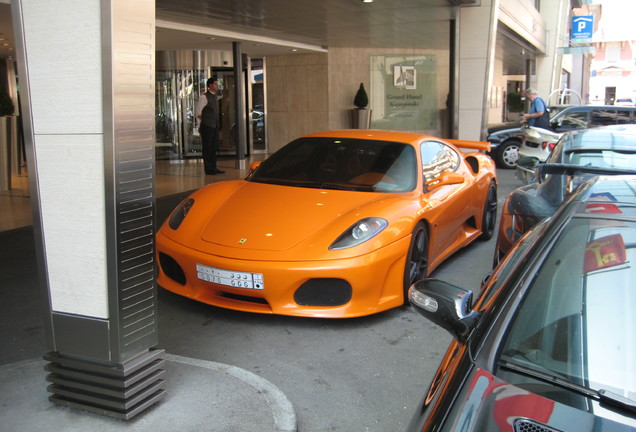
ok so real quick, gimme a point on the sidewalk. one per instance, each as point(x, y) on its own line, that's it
point(201, 396)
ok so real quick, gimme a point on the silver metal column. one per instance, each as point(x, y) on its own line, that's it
point(88, 108)
point(241, 136)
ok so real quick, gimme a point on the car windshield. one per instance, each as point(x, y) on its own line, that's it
point(577, 321)
point(602, 158)
point(341, 164)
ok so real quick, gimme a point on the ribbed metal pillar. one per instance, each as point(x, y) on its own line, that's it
point(88, 108)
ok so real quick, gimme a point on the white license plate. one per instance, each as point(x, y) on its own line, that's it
point(230, 278)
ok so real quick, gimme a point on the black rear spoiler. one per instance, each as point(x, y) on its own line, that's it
point(568, 169)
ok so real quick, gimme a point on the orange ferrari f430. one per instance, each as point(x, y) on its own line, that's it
point(335, 224)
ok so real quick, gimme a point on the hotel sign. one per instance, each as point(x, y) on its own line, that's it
point(582, 27)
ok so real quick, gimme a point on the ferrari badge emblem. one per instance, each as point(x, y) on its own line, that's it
point(242, 241)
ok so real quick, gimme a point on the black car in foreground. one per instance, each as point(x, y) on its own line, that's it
point(577, 156)
point(550, 343)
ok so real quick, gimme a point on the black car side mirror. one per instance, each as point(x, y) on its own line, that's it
point(528, 162)
point(446, 305)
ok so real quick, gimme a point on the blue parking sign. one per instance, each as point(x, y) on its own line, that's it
point(582, 27)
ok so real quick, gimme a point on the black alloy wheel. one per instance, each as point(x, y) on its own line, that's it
point(489, 216)
point(417, 259)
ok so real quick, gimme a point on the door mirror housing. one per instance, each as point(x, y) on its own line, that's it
point(445, 178)
point(446, 305)
point(254, 165)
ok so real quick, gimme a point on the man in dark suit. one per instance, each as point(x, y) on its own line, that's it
point(209, 118)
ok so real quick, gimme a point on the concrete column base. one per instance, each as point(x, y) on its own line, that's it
point(111, 389)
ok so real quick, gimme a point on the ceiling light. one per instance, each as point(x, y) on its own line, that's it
point(367, 1)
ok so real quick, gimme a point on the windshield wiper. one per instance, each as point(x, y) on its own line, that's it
point(335, 186)
point(606, 397)
point(617, 400)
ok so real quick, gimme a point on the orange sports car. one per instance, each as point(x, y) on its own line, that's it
point(335, 224)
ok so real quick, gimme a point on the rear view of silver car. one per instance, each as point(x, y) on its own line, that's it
point(537, 143)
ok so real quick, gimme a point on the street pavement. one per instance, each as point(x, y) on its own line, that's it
point(234, 371)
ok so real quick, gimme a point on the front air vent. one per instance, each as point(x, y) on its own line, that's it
point(528, 425)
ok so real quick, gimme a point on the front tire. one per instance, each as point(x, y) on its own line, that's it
point(416, 265)
point(489, 215)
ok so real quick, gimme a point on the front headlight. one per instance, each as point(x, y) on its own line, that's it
point(180, 213)
point(359, 232)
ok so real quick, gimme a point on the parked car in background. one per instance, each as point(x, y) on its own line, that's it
point(549, 343)
point(538, 142)
point(578, 155)
point(625, 101)
point(335, 224)
point(505, 140)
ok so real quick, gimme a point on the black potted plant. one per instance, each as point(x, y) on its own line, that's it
point(361, 116)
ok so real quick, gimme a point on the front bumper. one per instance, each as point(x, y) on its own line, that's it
point(375, 279)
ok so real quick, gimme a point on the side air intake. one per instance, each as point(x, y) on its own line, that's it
point(527, 425)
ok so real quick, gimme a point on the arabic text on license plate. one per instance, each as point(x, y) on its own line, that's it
point(230, 278)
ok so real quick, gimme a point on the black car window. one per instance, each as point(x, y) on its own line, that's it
point(625, 117)
point(573, 119)
point(340, 163)
point(437, 158)
point(604, 117)
point(578, 317)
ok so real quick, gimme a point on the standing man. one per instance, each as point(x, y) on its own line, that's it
point(538, 115)
point(208, 116)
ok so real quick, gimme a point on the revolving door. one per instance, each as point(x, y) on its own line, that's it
point(178, 87)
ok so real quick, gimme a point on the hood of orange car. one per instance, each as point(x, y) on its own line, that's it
point(270, 217)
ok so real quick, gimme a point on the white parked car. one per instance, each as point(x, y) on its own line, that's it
point(535, 143)
point(628, 101)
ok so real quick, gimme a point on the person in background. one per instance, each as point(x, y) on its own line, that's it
point(538, 115)
point(208, 118)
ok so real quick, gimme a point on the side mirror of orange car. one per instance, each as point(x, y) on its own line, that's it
point(445, 178)
point(254, 165)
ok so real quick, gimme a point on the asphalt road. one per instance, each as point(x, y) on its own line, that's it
point(362, 374)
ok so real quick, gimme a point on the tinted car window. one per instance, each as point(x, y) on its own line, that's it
point(338, 163)
point(437, 158)
point(604, 117)
point(578, 317)
point(573, 119)
point(624, 117)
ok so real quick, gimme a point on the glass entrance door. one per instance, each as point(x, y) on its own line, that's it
point(228, 123)
point(256, 104)
point(177, 95)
